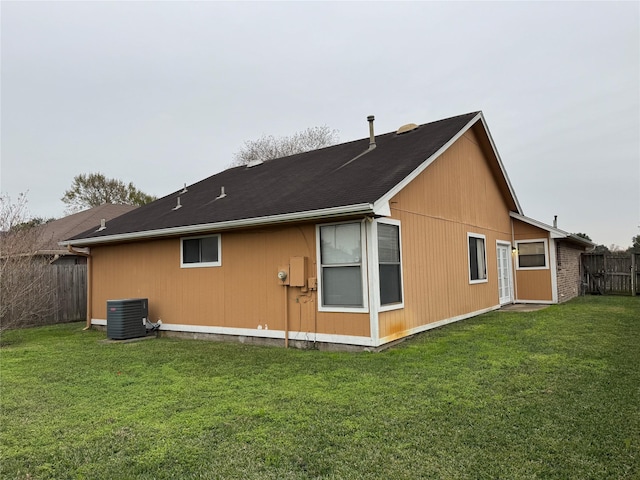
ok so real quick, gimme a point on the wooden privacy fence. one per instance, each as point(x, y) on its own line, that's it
point(42, 294)
point(608, 274)
point(69, 293)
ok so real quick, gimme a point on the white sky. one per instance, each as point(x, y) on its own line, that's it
point(163, 93)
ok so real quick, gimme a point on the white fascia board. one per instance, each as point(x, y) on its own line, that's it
point(382, 209)
point(358, 209)
point(553, 232)
point(502, 169)
point(384, 200)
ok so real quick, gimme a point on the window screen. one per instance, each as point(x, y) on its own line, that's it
point(341, 263)
point(203, 250)
point(531, 254)
point(389, 264)
point(477, 259)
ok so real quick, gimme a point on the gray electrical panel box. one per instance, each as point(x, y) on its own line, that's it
point(126, 318)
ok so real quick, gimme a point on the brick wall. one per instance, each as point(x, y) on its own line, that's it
point(568, 258)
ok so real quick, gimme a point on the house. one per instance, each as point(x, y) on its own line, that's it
point(356, 244)
point(50, 234)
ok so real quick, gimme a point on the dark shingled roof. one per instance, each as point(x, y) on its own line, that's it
point(320, 179)
point(53, 232)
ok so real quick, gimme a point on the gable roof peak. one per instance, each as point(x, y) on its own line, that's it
point(350, 178)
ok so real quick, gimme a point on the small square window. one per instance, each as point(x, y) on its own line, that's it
point(201, 251)
point(532, 255)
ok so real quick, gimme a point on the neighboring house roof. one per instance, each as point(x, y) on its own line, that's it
point(50, 234)
point(554, 232)
point(349, 178)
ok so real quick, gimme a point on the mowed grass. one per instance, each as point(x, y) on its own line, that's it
point(553, 394)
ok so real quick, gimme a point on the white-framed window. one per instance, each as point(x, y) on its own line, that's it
point(532, 254)
point(202, 251)
point(341, 253)
point(477, 258)
point(389, 257)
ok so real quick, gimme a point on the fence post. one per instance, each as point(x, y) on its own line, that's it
point(634, 276)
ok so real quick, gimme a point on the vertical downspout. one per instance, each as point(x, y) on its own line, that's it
point(89, 293)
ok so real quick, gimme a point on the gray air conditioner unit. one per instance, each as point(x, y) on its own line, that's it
point(126, 318)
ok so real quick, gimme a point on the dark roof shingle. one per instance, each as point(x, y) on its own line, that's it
point(315, 180)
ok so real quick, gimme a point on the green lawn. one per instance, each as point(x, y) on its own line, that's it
point(553, 394)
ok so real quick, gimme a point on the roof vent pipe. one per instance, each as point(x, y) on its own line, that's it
point(372, 138)
point(555, 221)
point(103, 225)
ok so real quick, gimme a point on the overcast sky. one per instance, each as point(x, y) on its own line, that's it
point(163, 93)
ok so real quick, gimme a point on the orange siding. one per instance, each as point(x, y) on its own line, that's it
point(242, 293)
point(524, 231)
point(532, 285)
point(455, 195)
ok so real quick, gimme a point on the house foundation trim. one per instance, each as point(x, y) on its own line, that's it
point(260, 333)
point(440, 323)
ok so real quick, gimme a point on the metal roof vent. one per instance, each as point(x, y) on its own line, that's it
point(254, 163)
point(178, 205)
point(103, 225)
point(406, 128)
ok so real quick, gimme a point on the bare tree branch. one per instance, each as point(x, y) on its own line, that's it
point(269, 147)
point(25, 287)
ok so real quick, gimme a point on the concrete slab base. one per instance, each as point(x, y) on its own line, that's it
point(130, 340)
point(523, 307)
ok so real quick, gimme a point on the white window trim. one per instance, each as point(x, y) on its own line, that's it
point(201, 264)
point(363, 266)
point(391, 306)
point(547, 258)
point(483, 237)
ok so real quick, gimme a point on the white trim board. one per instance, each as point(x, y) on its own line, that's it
point(384, 200)
point(439, 323)
point(554, 270)
point(557, 233)
point(359, 209)
point(315, 337)
point(260, 333)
